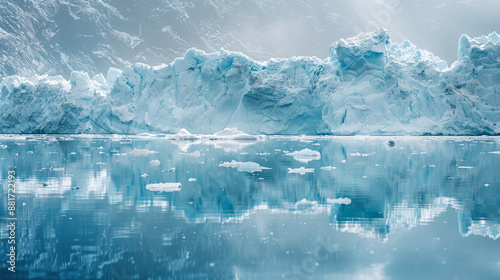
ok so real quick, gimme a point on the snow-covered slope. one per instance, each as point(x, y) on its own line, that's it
point(368, 85)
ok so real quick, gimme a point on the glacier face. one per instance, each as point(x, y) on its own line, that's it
point(368, 85)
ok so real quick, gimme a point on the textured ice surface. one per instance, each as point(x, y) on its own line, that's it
point(368, 85)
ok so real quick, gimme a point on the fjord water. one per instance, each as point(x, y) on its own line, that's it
point(363, 208)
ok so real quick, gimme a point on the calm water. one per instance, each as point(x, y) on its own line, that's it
point(361, 208)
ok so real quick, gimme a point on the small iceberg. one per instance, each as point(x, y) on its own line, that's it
point(301, 171)
point(183, 134)
point(344, 200)
point(305, 155)
point(249, 166)
point(193, 154)
point(328, 168)
point(142, 152)
point(155, 162)
point(305, 203)
point(233, 134)
point(149, 135)
point(164, 187)
point(465, 167)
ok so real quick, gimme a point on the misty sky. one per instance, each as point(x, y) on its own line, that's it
point(57, 37)
point(301, 29)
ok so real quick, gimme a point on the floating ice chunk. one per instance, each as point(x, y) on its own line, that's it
point(358, 154)
point(57, 169)
point(183, 134)
point(142, 152)
point(344, 200)
point(249, 166)
point(192, 179)
point(232, 146)
point(305, 155)
point(305, 203)
point(465, 167)
point(193, 154)
point(155, 162)
point(495, 152)
point(301, 171)
point(328, 168)
point(145, 175)
point(147, 135)
point(164, 187)
point(233, 134)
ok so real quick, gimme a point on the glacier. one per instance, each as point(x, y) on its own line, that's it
point(368, 85)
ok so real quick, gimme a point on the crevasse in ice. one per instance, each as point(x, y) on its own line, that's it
point(368, 85)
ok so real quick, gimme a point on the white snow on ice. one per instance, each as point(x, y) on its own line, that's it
point(305, 155)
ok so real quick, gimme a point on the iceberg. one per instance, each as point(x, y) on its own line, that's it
point(183, 134)
point(368, 85)
point(142, 152)
point(305, 155)
point(250, 167)
point(302, 170)
point(233, 134)
point(164, 187)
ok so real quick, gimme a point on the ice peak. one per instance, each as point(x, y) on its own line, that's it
point(468, 45)
point(376, 41)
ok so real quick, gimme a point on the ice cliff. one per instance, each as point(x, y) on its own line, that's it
point(368, 85)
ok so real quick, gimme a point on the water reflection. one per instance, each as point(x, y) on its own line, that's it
point(377, 207)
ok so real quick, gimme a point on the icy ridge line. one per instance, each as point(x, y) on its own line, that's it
point(367, 86)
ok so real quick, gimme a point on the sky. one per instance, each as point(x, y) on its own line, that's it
point(300, 28)
point(57, 37)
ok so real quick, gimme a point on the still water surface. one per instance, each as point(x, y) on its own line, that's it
point(98, 207)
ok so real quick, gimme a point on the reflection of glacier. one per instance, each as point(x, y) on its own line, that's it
point(388, 187)
point(82, 189)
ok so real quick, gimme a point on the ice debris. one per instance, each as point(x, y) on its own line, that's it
point(249, 166)
point(301, 170)
point(305, 155)
point(142, 152)
point(164, 187)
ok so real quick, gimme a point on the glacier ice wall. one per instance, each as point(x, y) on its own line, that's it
point(368, 85)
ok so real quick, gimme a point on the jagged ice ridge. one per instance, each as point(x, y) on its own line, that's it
point(368, 85)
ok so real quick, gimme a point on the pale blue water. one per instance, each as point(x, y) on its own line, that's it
point(414, 208)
